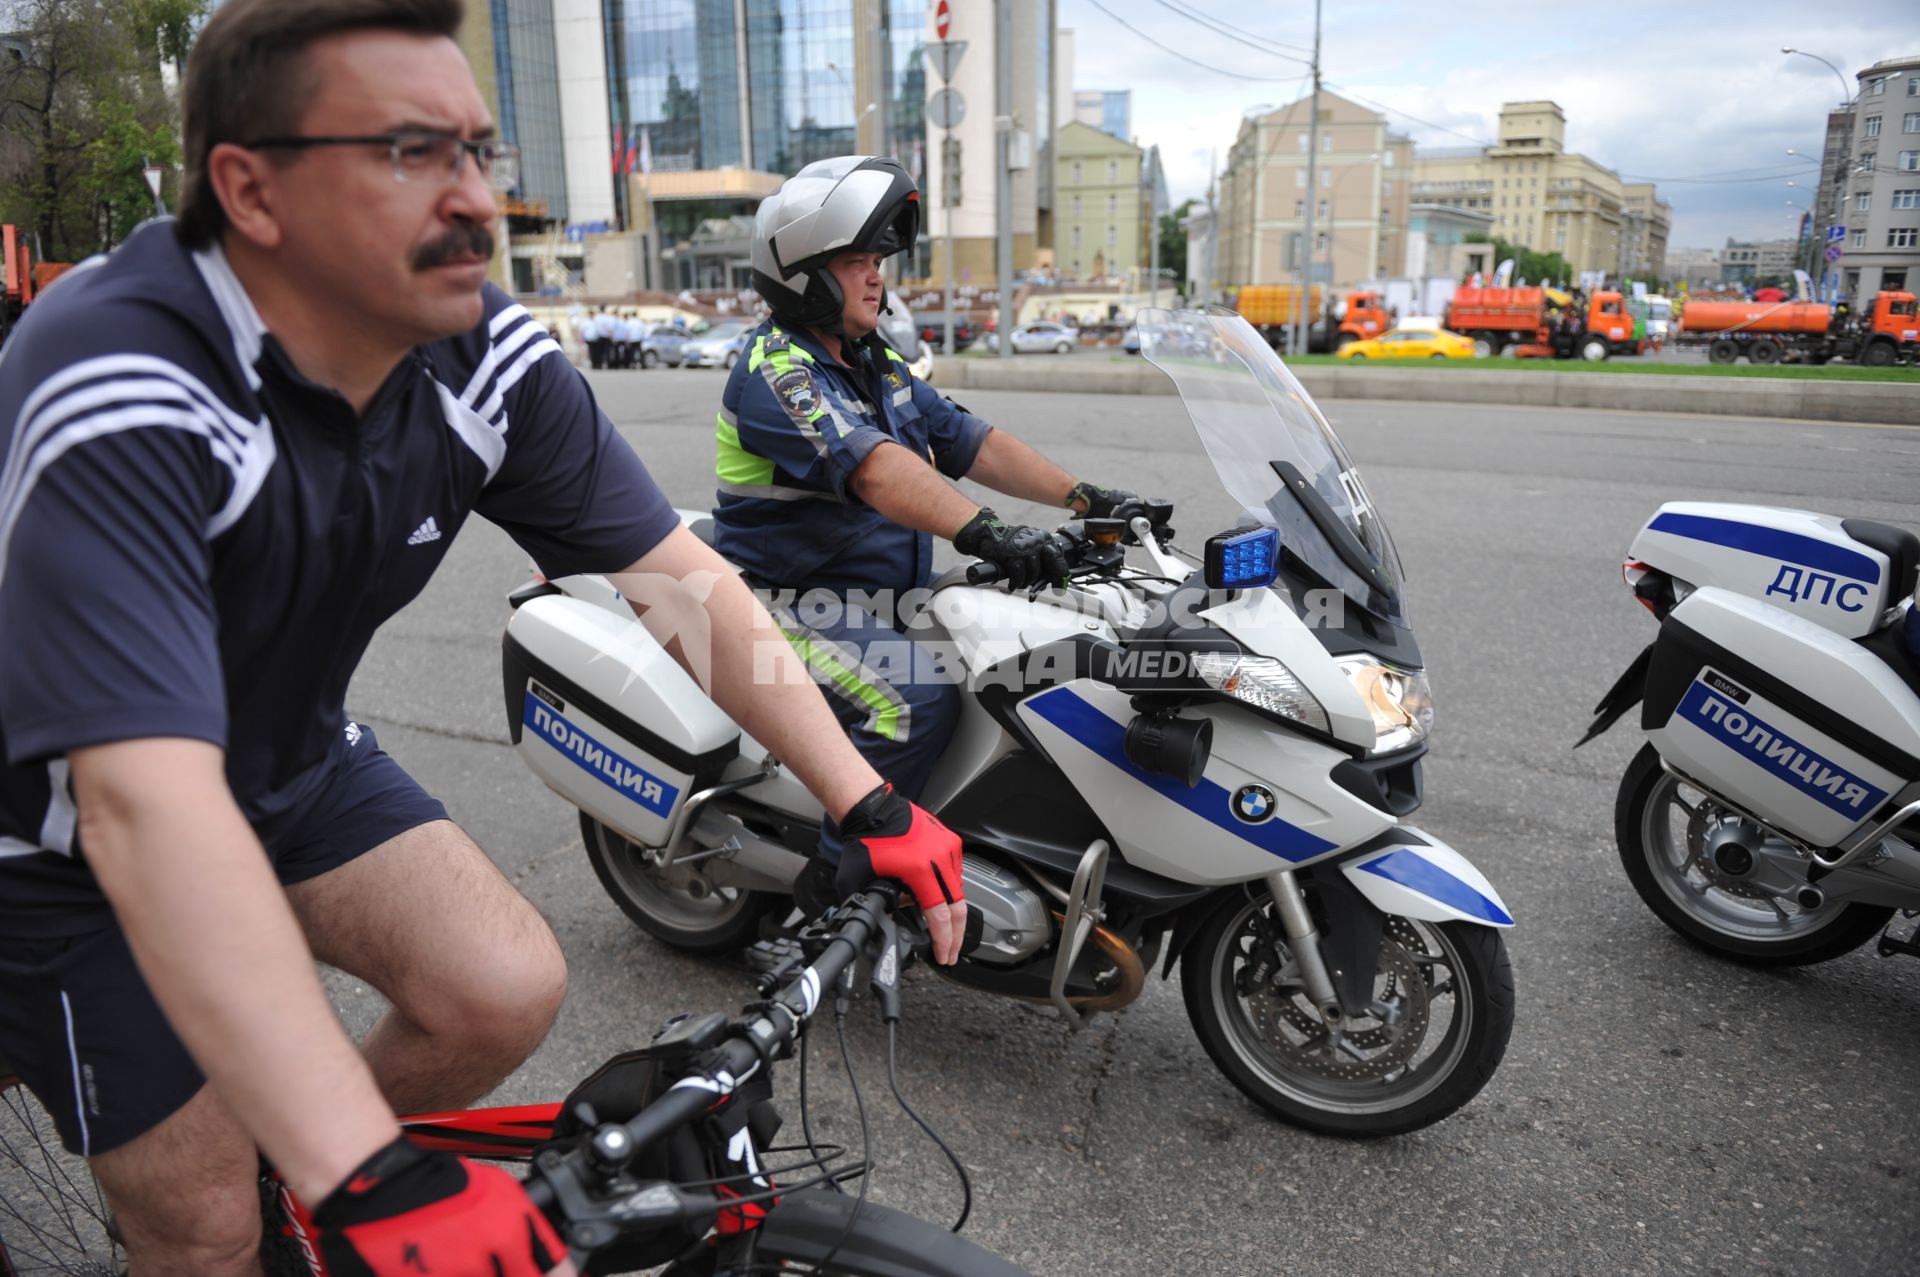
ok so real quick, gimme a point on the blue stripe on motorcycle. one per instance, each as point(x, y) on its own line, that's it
point(1772, 543)
point(1207, 800)
point(1417, 873)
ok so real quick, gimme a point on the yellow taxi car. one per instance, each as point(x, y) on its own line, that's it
point(1410, 343)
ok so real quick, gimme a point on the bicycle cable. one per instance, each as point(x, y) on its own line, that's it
point(860, 1106)
point(893, 1081)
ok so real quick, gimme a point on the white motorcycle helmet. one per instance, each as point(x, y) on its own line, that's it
point(853, 203)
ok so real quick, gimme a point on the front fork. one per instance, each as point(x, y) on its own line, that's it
point(1304, 939)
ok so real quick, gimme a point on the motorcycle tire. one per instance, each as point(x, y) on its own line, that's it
point(722, 922)
point(1275, 1072)
point(1712, 920)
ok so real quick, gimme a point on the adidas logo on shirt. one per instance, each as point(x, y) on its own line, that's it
point(428, 531)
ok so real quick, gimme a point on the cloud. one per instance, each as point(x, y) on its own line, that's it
point(1650, 90)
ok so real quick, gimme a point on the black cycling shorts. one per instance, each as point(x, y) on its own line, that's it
point(77, 1022)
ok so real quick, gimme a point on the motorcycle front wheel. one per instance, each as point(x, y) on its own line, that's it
point(1660, 823)
point(719, 920)
point(1447, 989)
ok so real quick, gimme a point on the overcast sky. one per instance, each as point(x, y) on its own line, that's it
point(1662, 91)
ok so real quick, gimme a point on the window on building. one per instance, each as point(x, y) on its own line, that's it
point(1302, 139)
point(1326, 143)
point(1866, 162)
point(1903, 237)
point(1326, 178)
point(1873, 126)
point(1876, 88)
point(1910, 123)
point(1913, 87)
point(1386, 190)
point(1894, 281)
point(1910, 161)
point(1299, 178)
point(1387, 159)
point(1906, 199)
point(1320, 243)
point(1076, 170)
point(1113, 205)
point(1076, 243)
point(1113, 170)
point(1113, 236)
point(1857, 240)
point(1862, 201)
point(1076, 206)
point(1299, 207)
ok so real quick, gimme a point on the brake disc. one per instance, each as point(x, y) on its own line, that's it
point(1296, 1035)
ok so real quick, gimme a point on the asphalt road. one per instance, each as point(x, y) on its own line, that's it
point(1659, 1111)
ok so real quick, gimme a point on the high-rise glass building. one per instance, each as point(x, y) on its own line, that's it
point(529, 88)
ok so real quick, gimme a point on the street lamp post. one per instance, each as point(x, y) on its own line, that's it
point(1846, 104)
point(1846, 93)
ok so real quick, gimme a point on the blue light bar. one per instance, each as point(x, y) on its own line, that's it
point(1244, 560)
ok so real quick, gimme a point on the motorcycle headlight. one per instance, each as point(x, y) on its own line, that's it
point(1263, 682)
point(1400, 701)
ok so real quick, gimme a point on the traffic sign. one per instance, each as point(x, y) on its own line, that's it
point(945, 57)
point(946, 109)
point(153, 180)
point(942, 19)
point(1835, 234)
point(1833, 252)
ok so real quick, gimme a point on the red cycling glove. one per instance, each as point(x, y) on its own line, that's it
point(888, 837)
point(407, 1212)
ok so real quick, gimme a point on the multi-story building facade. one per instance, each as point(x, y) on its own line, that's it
point(1646, 221)
point(1097, 201)
point(1543, 196)
point(1697, 268)
point(1749, 261)
point(1878, 182)
point(1360, 194)
point(1110, 111)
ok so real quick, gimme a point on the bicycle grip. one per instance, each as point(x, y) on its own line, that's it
point(983, 573)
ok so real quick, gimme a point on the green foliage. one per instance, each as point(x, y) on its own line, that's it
point(1535, 268)
point(84, 107)
point(1173, 246)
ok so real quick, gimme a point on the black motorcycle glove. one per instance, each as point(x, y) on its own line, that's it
point(1025, 555)
point(1101, 502)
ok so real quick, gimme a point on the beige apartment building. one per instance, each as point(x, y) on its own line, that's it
point(1548, 198)
point(1096, 205)
point(1361, 189)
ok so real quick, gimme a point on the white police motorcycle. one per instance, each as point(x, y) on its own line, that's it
point(1203, 760)
point(1774, 814)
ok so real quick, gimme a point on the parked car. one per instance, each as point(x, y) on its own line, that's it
point(1040, 337)
point(665, 345)
point(933, 330)
point(1410, 343)
point(718, 347)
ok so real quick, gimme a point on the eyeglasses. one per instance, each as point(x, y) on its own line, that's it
point(430, 158)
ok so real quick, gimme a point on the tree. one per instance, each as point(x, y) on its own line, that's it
point(1173, 245)
point(1535, 268)
point(83, 108)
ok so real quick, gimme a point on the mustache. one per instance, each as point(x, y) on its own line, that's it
point(466, 239)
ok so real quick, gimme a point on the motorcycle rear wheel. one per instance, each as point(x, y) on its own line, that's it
point(1453, 977)
point(720, 922)
point(1650, 825)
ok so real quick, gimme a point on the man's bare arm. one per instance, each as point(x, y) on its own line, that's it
point(213, 934)
point(902, 486)
point(1007, 465)
point(691, 600)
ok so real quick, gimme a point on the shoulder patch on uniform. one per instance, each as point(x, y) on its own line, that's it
point(893, 380)
point(797, 391)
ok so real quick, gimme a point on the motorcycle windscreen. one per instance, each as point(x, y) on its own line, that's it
point(1279, 460)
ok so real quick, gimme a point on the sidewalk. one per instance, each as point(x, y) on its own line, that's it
point(1877, 403)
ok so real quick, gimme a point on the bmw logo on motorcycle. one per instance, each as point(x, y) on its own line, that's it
point(1253, 803)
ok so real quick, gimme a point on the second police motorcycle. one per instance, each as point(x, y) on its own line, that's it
point(1203, 761)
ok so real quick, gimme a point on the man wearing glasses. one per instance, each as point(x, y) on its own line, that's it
point(231, 450)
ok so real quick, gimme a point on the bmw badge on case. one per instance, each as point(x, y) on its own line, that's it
point(1253, 803)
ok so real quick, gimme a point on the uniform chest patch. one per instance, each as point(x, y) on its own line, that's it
point(796, 389)
point(894, 382)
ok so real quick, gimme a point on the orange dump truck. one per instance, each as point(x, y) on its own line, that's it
point(1887, 332)
point(1499, 318)
point(1270, 309)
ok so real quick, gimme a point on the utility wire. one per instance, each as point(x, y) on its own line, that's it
point(1236, 33)
point(1394, 110)
point(1205, 66)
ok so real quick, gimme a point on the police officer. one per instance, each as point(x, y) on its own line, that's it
point(834, 465)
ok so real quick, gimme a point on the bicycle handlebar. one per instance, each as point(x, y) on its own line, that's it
point(563, 1186)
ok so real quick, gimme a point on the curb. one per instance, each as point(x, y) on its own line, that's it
point(1867, 402)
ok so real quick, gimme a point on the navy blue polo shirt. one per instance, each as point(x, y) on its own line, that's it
point(794, 425)
point(197, 541)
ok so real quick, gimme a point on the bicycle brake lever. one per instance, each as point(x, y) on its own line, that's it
point(885, 981)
